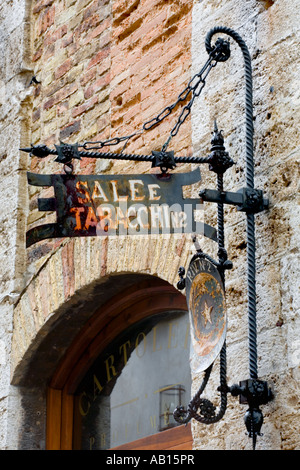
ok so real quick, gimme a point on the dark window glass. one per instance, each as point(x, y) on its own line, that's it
point(134, 386)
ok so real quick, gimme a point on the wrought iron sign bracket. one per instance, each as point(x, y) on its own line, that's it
point(164, 160)
point(253, 392)
point(76, 216)
point(66, 153)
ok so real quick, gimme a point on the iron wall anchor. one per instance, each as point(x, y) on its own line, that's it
point(254, 393)
point(247, 200)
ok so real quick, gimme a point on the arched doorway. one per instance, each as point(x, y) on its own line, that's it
point(89, 393)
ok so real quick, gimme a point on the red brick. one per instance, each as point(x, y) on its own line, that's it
point(46, 19)
point(99, 57)
point(49, 103)
point(98, 85)
point(67, 40)
point(51, 37)
point(62, 108)
point(60, 95)
point(122, 10)
point(88, 76)
point(36, 114)
point(132, 112)
point(154, 25)
point(41, 4)
point(37, 55)
point(95, 32)
point(63, 68)
point(103, 122)
point(54, 87)
point(90, 10)
point(104, 66)
point(70, 129)
point(87, 25)
point(85, 106)
point(66, 91)
point(122, 33)
point(87, 166)
point(37, 91)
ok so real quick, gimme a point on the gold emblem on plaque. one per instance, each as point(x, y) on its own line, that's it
point(207, 313)
point(206, 303)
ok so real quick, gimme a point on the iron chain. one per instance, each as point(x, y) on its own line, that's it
point(193, 88)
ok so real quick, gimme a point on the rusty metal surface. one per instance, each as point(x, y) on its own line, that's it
point(207, 310)
point(101, 205)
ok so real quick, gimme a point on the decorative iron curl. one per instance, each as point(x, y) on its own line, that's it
point(183, 416)
point(202, 409)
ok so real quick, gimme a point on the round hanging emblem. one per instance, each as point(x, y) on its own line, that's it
point(206, 303)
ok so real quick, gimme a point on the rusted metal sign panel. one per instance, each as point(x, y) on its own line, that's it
point(206, 303)
point(101, 205)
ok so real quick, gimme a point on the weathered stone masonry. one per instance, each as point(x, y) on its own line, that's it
point(272, 36)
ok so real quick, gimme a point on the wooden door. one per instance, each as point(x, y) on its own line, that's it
point(179, 438)
point(141, 302)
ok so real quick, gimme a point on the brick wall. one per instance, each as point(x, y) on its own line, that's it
point(151, 61)
point(100, 64)
point(105, 68)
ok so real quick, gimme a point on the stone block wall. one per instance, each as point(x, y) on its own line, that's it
point(271, 32)
point(15, 110)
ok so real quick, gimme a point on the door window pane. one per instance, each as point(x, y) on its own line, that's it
point(133, 388)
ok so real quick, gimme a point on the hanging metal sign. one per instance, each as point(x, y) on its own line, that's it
point(206, 303)
point(101, 205)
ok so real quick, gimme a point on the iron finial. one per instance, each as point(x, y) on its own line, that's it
point(219, 158)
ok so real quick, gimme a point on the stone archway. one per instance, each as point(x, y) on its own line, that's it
point(75, 281)
point(71, 276)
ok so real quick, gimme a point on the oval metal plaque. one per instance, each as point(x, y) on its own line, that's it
point(206, 303)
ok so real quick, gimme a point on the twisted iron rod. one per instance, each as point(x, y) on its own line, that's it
point(221, 246)
point(251, 283)
point(120, 156)
point(140, 158)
